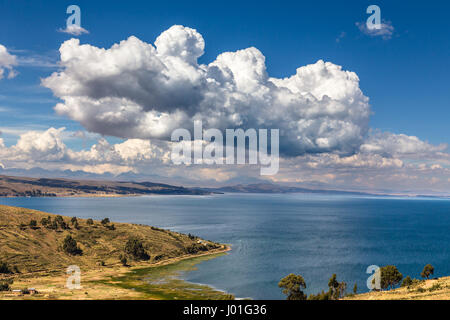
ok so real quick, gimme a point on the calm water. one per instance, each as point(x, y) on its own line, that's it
point(274, 235)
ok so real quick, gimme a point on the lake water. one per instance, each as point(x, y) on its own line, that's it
point(277, 234)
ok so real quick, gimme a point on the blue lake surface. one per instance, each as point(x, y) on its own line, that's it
point(273, 235)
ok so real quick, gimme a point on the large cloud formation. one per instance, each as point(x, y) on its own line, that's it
point(386, 161)
point(137, 90)
point(7, 61)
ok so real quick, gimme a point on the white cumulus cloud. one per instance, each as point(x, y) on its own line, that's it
point(74, 30)
point(140, 91)
point(385, 30)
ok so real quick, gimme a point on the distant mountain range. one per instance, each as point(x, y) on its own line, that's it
point(274, 188)
point(51, 187)
point(19, 182)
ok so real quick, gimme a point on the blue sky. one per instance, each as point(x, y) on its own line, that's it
point(405, 76)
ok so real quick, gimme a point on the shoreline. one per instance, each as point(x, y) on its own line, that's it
point(108, 282)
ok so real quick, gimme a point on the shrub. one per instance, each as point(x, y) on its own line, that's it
point(123, 260)
point(74, 220)
point(435, 287)
point(105, 221)
point(4, 268)
point(44, 221)
point(320, 296)
point(33, 224)
point(407, 282)
point(59, 220)
point(135, 248)
point(53, 225)
point(111, 227)
point(70, 246)
point(90, 222)
point(4, 286)
point(195, 248)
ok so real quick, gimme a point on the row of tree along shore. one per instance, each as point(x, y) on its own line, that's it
point(293, 285)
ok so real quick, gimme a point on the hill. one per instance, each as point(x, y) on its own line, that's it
point(40, 187)
point(274, 188)
point(40, 248)
point(433, 289)
point(36, 257)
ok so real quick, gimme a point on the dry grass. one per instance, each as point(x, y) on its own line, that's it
point(435, 289)
point(42, 263)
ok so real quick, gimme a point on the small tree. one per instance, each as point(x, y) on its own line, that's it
point(70, 246)
point(407, 282)
point(427, 271)
point(90, 222)
point(4, 286)
point(59, 220)
point(337, 289)
point(33, 224)
point(105, 221)
point(293, 286)
point(4, 268)
point(123, 260)
point(135, 248)
point(44, 221)
point(74, 220)
point(390, 277)
point(355, 288)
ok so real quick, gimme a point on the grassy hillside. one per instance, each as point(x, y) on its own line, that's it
point(40, 248)
point(34, 187)
point(435, 289)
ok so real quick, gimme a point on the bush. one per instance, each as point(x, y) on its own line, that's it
point(105, 221)
point(110, 227)
point(435, 287)
point(45, 221)
point(320, 296)
point(90, 222)
point(195, 248)
point(53, 225)
point(33, 224)
point(407, 282)
point(135, 248)
point(4, 286)
point(4, 268)
point(74, 220)
point(59, 220)
point(123, 260)
point(70, 246)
